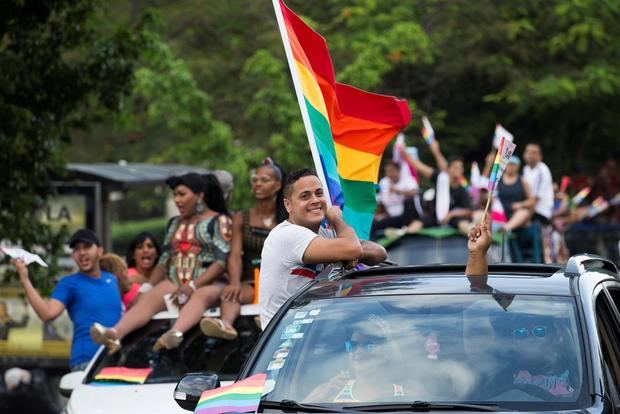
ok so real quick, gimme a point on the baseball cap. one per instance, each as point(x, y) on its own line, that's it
point(514, 160)
point(84, 235)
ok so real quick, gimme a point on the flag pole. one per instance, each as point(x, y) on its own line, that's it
point(301, 100)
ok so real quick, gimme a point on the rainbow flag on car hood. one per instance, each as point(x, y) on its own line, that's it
point(133, 375)
point(348, 129)
point(241, 397)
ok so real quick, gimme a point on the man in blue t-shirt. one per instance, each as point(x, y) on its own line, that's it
point(90, 295)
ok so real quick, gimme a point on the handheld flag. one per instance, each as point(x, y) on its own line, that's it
point(564, 183)
point(133, 375)
point(500, 132)
point(597, 207)
point(504, 152)
point(348, 129)
point(427, 130)
point(407, 170)
point(241, 397)
point(580, 196)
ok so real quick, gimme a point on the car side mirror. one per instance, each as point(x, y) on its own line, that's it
point(188, 391)
point(69, 381)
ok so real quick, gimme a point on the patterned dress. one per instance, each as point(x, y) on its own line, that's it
point(189, 249)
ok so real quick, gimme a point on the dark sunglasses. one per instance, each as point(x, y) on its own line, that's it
point(537, 331)
point(367, 345)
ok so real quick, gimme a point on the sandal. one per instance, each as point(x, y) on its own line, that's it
point(215, 328)
point(105, 336)
point(169, 340)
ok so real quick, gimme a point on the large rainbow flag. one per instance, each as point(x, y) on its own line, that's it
point(348, 129)
point(241, 397)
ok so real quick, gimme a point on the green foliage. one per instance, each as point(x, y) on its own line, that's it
point(55, 75)
point(124, 232)
point(215, 88)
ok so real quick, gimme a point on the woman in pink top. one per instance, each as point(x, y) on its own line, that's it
point(142, 256)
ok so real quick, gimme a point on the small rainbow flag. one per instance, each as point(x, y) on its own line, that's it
point(580, 196)
point(504, 152)
point(427, 130)
point(500, 132)
point(598, 206)
point(615, 200)
point(133, 375)
point(241, 397)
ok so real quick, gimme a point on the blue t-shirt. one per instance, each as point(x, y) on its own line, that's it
point(88, 300)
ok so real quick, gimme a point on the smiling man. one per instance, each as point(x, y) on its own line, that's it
point(89, 295)
point(298, 248)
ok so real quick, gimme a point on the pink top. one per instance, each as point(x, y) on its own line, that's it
point(131, 294)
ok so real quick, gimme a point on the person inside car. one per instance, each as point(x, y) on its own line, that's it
point(370, 349)
point(297, 249)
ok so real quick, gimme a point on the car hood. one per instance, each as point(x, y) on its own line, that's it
point(121, 399)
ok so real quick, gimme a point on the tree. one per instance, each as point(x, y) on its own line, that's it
point(55, 75)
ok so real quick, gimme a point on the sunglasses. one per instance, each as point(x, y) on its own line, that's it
point(367, 345)
point(537, 332)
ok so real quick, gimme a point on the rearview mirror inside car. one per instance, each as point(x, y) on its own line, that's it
point(188, 390)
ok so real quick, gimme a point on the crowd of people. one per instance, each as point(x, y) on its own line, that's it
point(527, 198)
point(210, 257)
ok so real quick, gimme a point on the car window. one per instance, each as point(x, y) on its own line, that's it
point(196, 353)
point(513, 350)
point(608, 332)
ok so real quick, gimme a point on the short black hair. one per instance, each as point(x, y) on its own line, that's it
point(139, 239)
point(392, 163)
point(455, 158)
point(294, 176)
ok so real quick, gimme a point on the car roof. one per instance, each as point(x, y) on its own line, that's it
point(444, 279)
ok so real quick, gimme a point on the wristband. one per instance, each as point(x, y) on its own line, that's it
point(145, 287)
point(192, 285)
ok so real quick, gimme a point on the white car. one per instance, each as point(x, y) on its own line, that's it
point(197, 353)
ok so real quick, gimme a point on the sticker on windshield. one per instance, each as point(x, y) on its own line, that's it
point(315, 312)
point(286, 344)
point(297, 336)
point(275, 364)
point(281, 353)
point(292, 328)
point(300, 315)
point(268, 387)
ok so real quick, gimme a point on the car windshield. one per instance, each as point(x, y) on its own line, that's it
point(514, 351)
point(196, 353)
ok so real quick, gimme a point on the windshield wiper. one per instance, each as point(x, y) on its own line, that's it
point(422, 406)
point(294, 406)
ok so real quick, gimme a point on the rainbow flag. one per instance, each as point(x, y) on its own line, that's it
point(348, 129)
point(133, 375)
point(598, 206)
point(500, 132)
point(241, 397)
point(427, 130)
point(580, 196)
point(504, 151)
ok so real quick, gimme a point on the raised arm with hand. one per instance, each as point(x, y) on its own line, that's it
point(440, 160)
point(478, 243)
point(46, 311)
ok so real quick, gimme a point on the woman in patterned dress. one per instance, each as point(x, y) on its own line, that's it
point(250, 229)
point(191, 268)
